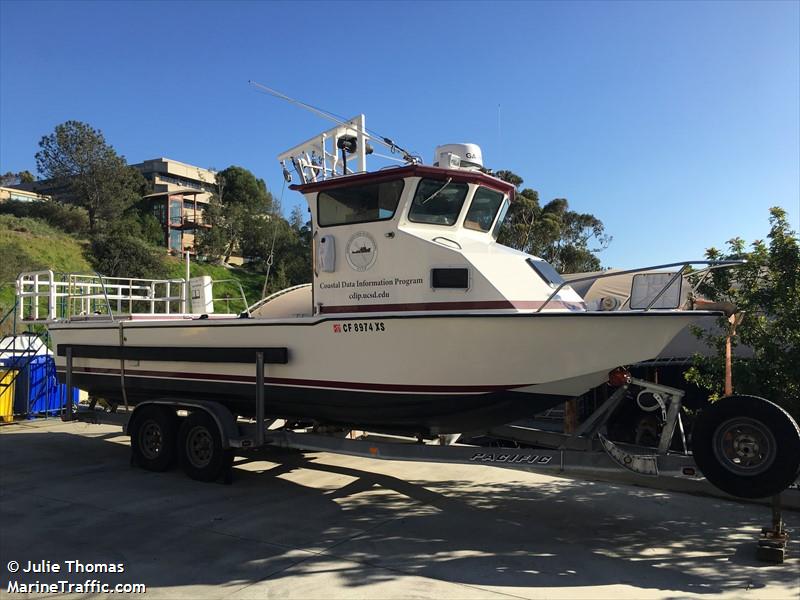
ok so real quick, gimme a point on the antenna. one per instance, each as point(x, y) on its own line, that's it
point(499, 137)
point(384, 141)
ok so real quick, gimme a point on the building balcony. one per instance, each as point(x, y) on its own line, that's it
point(189, 220)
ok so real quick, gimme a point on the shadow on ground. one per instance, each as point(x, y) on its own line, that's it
point(66, 496)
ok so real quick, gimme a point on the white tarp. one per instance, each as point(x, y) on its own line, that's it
point(22, 344)
point(619, 287)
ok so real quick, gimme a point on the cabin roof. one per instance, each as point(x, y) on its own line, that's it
point(409, 171)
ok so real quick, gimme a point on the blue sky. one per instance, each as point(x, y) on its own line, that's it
point(676, 123)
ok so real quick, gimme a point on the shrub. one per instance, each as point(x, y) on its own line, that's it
point(122, 255)
point(766, 290)
point(70, 219)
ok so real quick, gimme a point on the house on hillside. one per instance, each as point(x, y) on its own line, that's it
point(181, 194)
point(180, 197)
point(181, 214)
point(17, 195)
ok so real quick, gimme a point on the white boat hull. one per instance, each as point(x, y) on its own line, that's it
point(415, 371)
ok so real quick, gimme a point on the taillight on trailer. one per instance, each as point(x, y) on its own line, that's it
point(619, 377)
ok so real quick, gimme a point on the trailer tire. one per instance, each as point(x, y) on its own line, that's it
point(747, 446)
point(200, 448)
point(152, 430)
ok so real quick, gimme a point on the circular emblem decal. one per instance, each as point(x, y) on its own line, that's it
point(361, 251)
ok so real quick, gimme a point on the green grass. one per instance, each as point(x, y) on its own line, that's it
point(250, 281)
point(32, 245)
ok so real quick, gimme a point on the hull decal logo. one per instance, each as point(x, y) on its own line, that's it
point(361, 251)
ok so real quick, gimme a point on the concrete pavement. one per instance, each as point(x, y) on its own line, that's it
point(330, 526)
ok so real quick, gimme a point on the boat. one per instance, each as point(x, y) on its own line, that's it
point(417, 328)
point(417, 320)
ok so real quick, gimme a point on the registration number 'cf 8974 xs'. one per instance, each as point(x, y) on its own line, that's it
point(359, 327)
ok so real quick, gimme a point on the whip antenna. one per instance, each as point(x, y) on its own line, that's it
point(317, 111)
point(384, 141)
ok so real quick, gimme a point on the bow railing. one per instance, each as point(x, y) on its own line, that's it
point(684, 266)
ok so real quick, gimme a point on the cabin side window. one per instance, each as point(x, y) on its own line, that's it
point(546, 271)
point(437, 202)
point(483, 209)
point(359, 203)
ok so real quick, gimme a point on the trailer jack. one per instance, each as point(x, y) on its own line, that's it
point(774, 539)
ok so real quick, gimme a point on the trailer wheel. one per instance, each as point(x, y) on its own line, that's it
point(747, 446)
point(152, 432)
point(200, 448)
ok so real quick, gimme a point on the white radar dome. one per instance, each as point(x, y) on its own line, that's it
point(458, 156)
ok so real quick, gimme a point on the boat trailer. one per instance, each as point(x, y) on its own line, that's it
point(586, 452)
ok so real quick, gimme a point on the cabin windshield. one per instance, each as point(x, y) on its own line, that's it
point(502, 217)
point(437, 202)
point(483, 209)
point(359, 203)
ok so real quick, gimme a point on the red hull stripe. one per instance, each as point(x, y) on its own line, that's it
point(351, 385)
point(427, 306)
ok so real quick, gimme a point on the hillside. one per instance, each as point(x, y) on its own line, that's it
point(31, 244)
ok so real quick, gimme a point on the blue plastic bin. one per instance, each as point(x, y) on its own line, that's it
point(37, 390)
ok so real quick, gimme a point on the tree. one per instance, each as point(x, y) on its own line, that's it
point(11, 178)
point(139, 221)
point(553, 232)
point(242, 187)
point(282, 248)
point(239, 203)
point(766, 291)
point(509, 177)
point(213, 243)
point(297, 218)
point(151, 228)
point(92, 175)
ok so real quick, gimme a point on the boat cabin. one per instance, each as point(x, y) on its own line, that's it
point(417, 237)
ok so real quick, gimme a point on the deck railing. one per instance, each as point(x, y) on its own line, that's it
point(49, 296)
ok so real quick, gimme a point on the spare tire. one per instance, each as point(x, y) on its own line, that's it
point(747, 446)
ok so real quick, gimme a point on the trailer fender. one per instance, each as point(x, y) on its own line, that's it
point(226, 422)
